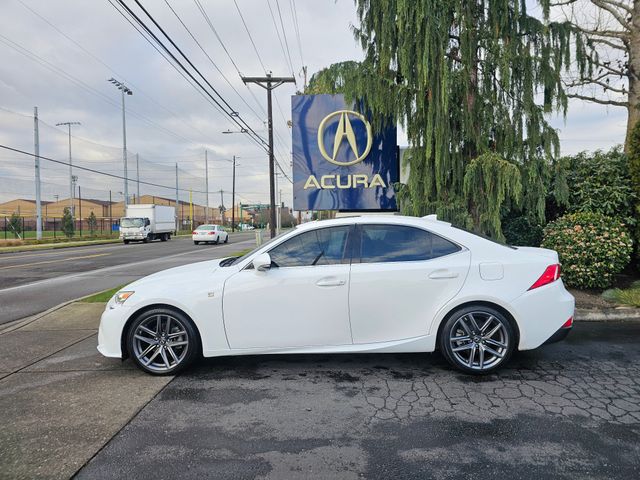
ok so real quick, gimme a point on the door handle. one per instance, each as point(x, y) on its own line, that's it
point(330, 282)
point(443, 273)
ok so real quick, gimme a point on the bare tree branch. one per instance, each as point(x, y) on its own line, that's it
point(620, 5)
point(609, 68)
point(609, 43)
point(604, 85)
point(598, 100)
point(604, 33)
point(608, 6)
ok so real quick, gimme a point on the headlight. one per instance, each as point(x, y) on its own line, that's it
point(122, 296)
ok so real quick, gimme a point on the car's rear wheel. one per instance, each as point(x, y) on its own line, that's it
point(477, 339)
point(226, 239)
point(196, 243)
point(163, 341)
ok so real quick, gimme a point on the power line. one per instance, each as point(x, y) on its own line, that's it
point(100, 61)
point(211, 60)
point(296, 26)
point(284, 34)
point(220, 100)
point(81, 84)
point(275, 24)
point(255, 49)
point(112, 175)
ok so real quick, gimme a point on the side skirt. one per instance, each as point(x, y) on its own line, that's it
point(422, 344)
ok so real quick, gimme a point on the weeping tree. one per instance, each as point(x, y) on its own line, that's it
point(465, 78)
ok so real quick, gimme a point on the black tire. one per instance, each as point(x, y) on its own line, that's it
point(226, 239)
point(182, 329)
point(126, 242)
point(164, 237)
point(196, 243)
point(217, 240)
point(466, 339)
point(145, 240)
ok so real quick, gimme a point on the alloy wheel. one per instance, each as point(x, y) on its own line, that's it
point(160, 342)
point(479, 340)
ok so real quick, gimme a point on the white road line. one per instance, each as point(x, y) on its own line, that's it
point(113, 267)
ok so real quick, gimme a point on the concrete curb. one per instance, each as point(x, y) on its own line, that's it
point(607, 314)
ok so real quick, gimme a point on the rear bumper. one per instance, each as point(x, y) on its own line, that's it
point(560, 335)
point(541, 312)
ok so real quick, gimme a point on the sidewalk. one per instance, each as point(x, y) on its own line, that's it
point(61, 401)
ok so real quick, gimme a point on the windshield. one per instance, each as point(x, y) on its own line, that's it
point(132, 222)
point(234, 260)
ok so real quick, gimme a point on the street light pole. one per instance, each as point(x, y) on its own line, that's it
point(125, 90)
point(233, 198)
point(71, 189)
point(206, 186)
point(269, 83)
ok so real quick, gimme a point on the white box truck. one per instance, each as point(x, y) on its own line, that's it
point(147, 222)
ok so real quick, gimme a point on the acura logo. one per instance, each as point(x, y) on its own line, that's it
point(345, 131)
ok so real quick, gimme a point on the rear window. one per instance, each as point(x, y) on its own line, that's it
point(400, 243)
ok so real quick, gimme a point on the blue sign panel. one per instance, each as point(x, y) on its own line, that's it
point(339, 162)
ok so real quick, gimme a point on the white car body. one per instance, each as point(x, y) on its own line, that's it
point(209, 234)
point(349, 307)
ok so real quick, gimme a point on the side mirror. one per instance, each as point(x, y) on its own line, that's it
point(262, 262)
point(147, 222)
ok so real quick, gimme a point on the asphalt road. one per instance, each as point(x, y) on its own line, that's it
point(31, 282)
point(568, 410)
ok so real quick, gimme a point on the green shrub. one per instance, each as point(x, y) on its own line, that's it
point(522, 231)
point(600, 182)
point(591, 246)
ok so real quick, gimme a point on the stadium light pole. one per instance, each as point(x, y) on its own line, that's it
point(71, 189)
point(125, 90)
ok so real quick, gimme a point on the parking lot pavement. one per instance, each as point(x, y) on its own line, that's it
point(569, 410)
point(60, 401)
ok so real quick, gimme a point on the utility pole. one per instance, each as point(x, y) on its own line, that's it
point(125, 90)
point(269, 83)
point(191, 208)
point(138, 177)
point(36, 149)
point(222, 206)
point(206, 186)
point(233, 198)
point(280, 213)
point(177, 199)
point(71, 189)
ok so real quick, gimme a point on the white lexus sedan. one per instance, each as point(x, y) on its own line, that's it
point(360, 284)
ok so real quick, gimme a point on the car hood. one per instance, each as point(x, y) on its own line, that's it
point(182, 274)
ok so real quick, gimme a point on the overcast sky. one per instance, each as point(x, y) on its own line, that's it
point(167, 120)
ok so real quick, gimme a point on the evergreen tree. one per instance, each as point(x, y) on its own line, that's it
point(464, 78)
point(15, 224)
point(93, 223)
point(67, 227)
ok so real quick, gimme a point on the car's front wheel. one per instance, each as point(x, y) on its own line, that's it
point(477, 339)
point(163, 341)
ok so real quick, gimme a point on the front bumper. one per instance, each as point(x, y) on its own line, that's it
point(112, 323)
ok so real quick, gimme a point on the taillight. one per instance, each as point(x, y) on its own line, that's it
point(194, 232)
point(211, 233)
point(550, 274)
point(568, 323)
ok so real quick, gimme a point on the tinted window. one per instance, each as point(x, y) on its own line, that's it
point(325, 246)
point(397, 243)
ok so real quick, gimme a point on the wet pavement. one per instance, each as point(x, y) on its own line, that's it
point(568, 410)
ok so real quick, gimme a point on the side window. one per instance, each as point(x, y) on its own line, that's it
point(399, 243)
point(324, 246)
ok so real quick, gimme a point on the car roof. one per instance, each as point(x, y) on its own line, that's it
point(428, 222)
